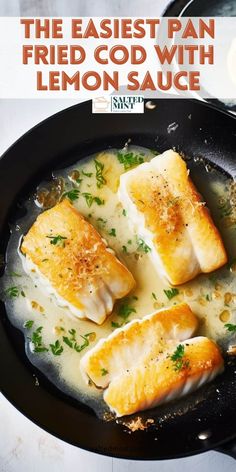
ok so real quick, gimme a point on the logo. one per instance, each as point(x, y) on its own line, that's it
point(118, 104)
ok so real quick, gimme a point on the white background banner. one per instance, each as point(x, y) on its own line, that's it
point(18, 80)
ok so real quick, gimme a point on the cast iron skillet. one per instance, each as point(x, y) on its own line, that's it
point(210, 412)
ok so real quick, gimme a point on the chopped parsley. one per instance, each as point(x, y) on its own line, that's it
point(28, 324)
point(171, 293)
point(124, 249)
point(72, 341)
point(37, 342)
point(178, 358)
point(124, 312)
point(124, 212)
point(129, 159)
point(231, 327)
point(99, 173)
point(102, 221)
point(68, 341)
point(56, 348)
point(87, 174)
point(90, 199)
point(208, 297)
point(72, 194)
point(57, 240)
point(142, 246)
point(12, 292)
point(112, 232)
point(154, 296)
point(114, 324)
point(104, 371)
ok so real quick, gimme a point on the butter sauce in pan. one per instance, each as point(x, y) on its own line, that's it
point(55, 340)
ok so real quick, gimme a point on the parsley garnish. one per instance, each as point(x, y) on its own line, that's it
point(124, 312)
point(129, 159)
point(124, 249)
point(112, 232)
point(177, 358)
point(114, 324)
point(14, 274)
point(72, 341)
point(171, 293)
point(57, 240)
point(142, 246)
point(90, 199)
point(208, 297)
point(231, 327)
point(56, 348)
point(12, 292)
point(104, 371)
point(102, 221)
point(28, 324)
point(68, 342)
point(36, 340)
point(99, 176)
point(72, 194)
point(87, 174)
point(154, 296)
point(124, 212)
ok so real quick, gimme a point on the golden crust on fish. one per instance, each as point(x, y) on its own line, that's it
point(136, 342)
point(166, 210)
point(69, 253)
point(158, 381)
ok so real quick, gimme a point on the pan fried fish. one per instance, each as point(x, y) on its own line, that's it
point(136, 342)
point(166, 210)
point(70, 259)
point(166, 377)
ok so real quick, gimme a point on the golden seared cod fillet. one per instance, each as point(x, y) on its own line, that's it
point(166, 210)
point(137, 342)
point(165, 377)
point(70, 259)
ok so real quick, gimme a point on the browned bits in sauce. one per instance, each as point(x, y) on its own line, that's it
point(224, 316)
point(188, 292)
point(228, 298)
point(36, 306)
point(218, 286)
point(74, 175)
point(92, 337)
point(47, 197)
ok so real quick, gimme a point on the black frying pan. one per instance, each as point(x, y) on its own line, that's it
point(207, 418)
